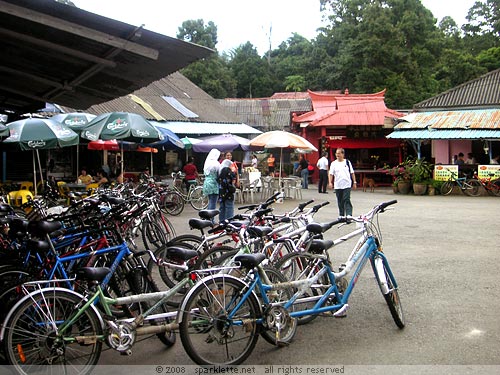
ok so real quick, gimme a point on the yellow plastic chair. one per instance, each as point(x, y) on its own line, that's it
point(22, 196)
point(91, 188)
point(27, 185)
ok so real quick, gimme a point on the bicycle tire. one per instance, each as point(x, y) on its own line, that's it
point(163, 222)
point(208, 335)
point(191, 241)
point(153, 236)
point(214, 257)
point(386, 284)
point(495, 187)
point(31, 342)
point(447, 187)
point(144, 283)
point(197, 199)
point(173, 203)
point(302, 269)
point(471, 187)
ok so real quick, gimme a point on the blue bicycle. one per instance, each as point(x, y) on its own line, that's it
point(222, 315)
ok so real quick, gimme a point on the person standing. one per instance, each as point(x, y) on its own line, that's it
point(270, 164)
point(304, 172)
point(255, 161)
point(227, 188)
point(322, 165)
point(342, 173)
point(190, 173)
point(470, 159)
point(210, 184)
point(495, 159)
point(460, 160)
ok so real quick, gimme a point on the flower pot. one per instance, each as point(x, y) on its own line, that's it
point(395, 189)
point(419, 188)
point(404, 187)
point(431, 190)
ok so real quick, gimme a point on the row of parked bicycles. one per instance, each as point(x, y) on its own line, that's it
point(111, 268)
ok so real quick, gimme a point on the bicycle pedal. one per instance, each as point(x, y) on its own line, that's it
point(342, 312)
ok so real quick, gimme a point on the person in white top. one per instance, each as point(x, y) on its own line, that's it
point(342, 173)
point(322, 165)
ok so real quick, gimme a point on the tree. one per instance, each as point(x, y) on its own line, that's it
point(483, 28)
point(251, 72)
point(212, 74)
point(195, 31)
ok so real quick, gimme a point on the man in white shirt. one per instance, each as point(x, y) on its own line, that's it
point(322, 165)
point(344, 178)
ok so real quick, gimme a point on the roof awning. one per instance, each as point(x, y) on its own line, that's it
point(364, 143)
point(446, 134)
point(191, 128)
point(56, 53)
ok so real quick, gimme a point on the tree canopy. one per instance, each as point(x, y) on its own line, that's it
point(366, 46)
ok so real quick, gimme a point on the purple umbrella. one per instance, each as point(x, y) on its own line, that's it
point(222, 142)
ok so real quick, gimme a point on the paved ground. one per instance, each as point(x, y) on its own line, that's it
point(444, 252)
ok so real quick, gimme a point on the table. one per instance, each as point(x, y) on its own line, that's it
point(76, 187)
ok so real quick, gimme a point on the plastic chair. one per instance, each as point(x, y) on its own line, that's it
point(22, 196)
point(267, 187)
point(92, 187)
point(26, 185)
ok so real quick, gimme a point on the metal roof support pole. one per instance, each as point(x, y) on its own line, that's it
point(416, 143)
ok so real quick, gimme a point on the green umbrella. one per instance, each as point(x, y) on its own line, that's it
point(39, 134)
point(122, 126)
point(75, 121)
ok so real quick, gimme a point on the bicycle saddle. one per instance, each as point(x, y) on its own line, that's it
point(318, 246)
point(199, 224)
point(250, 260)
point(259, 231)
point(208, 214)
point(180, 253)
point(92, 273)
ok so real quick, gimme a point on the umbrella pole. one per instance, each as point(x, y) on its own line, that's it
point(281, 161)
point(39, 166)
point(34, 172)
point(121, 149)
point(151, 153)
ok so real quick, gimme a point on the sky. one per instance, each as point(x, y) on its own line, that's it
point(241, 21)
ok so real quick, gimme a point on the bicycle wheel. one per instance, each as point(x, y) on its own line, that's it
point(197, 199)
point(32, 340)
point(153, 235)
point(495, 187)
point(173, 203)
point(165, 224)
point(299, 266)
point(215, 256)
point(471, 187)
point(447, 187)
point(191, 241)
point(389, 291)
point(212, 331)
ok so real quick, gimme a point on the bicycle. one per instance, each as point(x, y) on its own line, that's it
point(468, 186)
point(175, 198)
point(221, 316)
point(490, 184)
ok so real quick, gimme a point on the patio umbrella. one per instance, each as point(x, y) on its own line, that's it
point(76, 121)
point(122, 126)
point(39, 134)
point(170, 139)
point(188, 144)
point(224, 142)
point(281, 139)
point(4, 131)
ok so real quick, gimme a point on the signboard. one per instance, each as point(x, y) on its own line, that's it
point(443, 172)
point(485, 171)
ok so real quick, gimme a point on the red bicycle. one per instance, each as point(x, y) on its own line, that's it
point(490, 184)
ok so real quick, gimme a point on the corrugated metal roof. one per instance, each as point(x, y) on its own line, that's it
point(483, 92)
point(53, 52)
point(266, 114)
point(446, 134)
point(176, 86)
point(182, 127)
point(347, 109)
point(466, 119)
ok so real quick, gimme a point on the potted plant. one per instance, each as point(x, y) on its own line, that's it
point(421, 172)
point(401, 176)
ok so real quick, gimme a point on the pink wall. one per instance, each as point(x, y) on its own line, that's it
point(443, 150)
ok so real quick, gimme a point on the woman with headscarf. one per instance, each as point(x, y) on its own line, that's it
point(227, 189)
point(211, 171)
